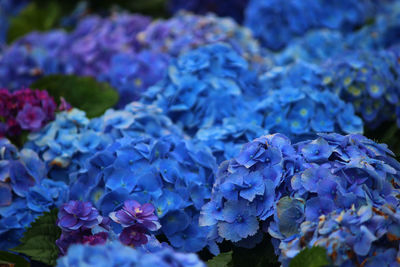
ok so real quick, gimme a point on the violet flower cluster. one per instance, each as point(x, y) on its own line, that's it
point(346, 200)
point(25, 110)
point(25, 192)
point(81, 223)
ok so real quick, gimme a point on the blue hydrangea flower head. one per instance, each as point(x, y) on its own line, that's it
point(368, 79)
point(299, 106)
point(226, 140)
point(276, 24)
point(133, 73)
point(116, 254)
point(186, 31)
point(204, 86)
point(31, 57)
point(315, 46)
point(25, 192)
point(248, 186)
point(230, 8)
point(173, 174)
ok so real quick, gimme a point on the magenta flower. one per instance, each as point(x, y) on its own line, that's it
point(96, 239)
point(31, 118)
point(76, 215)
point(132, 213)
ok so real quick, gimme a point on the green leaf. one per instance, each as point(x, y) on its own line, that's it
point(39, 240)
point(84, 93)
point(310, 257)
point(222, 260)
point(34, 17)
point(9, 258)
point(260, 256)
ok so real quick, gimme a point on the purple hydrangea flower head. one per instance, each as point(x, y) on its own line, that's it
point(76, 215)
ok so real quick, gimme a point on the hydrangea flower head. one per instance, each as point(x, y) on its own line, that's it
point(25, 109)
point(172, 174)
point(369, 80)
point(204, 86)
point(315, 47)
point(96, 40)
point(25, 193)
point(31, 57)
point(114, 253)
point(230, 8)
point(347, 188)
point(276, 24)
point(300, 106)
point(248, 185)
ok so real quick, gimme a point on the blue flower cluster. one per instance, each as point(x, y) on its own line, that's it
point(300, 106)
point(186, 31)
point(247, 187)
point(66, 143)
point(276, 24)
point(31, 57)
point(382, 33)
point(25, 193)
point(171, 173)
point(369, 80)
point(231, 8)
point(133, 73)
point(337, 191)
point(204, 86)
point(116, 254)
point(225, 140)
point(314, 47)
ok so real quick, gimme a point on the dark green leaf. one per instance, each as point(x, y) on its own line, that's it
point(310, 257)
point(34, 17)
point(39, 240)
point(18, 261)
point(260, 256)
point(222, 260)
point(84, 93)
